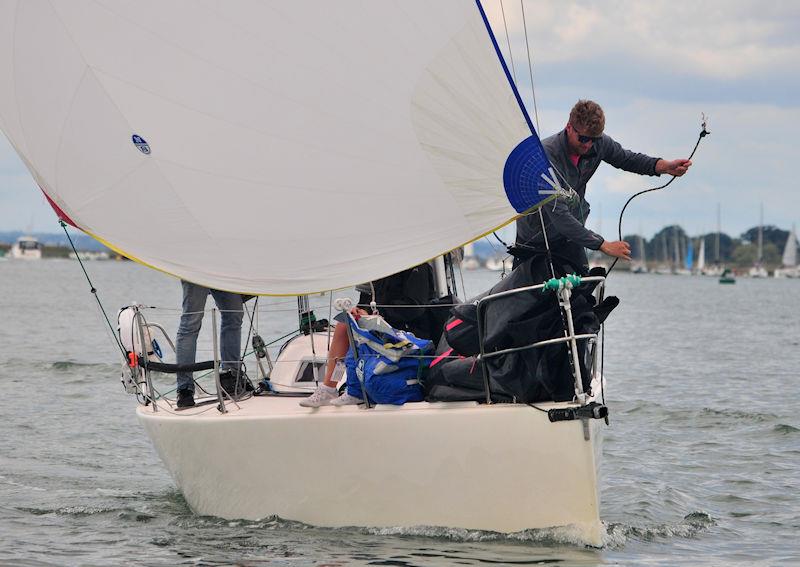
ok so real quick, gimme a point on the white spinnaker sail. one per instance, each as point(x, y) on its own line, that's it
point(293, 146)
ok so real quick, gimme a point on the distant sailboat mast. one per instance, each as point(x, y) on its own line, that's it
point(676, 257)
point(760, 235)
point(719, 230)
point(701, 255)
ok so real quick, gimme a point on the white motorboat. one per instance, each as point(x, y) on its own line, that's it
point(246, 136)
point(26, 248)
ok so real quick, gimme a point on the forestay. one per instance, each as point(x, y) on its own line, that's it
point(267, 147)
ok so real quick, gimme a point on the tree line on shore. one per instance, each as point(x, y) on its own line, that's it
point(741, 252)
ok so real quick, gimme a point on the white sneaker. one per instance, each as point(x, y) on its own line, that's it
point(346, 400)
point(322, 396)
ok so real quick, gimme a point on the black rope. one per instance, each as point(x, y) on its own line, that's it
point(702, 135)
point(94, 291)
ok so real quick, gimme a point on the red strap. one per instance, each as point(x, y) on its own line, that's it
point(453, 323)
point(441, 357)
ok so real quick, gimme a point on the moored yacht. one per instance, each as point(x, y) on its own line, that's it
point(26, 248)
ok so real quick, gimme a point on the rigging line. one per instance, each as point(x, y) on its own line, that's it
point(249, 330)
point(508, 41)
point(530, 65)
point(703, 134)
point(94, 292)
point(461, 277)
point(495, 249)
point(330, 317)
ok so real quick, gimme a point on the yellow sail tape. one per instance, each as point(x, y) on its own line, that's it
point(143, 263)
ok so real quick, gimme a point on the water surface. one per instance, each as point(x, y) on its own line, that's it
point(701, 461)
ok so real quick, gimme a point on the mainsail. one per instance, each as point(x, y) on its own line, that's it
point(266, 147)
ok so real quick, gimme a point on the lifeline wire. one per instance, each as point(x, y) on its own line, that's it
point(94, 291)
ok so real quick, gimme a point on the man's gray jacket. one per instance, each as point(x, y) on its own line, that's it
point(564, 219)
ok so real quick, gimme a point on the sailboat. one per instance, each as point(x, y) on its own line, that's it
point(689, 258)
point(700, 268)
point(222, 144)
point(640, 265)
point(717, 269)
point(789, 268)
point(664, 268)
point(758, 270)
point(678, 261)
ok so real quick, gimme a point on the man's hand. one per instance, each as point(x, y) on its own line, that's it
point(676, 167)
point(617, 249)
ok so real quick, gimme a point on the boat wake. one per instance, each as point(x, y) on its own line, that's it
point(617, 535)
point(563, 535)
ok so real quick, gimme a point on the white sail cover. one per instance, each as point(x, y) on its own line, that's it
point(263, 147)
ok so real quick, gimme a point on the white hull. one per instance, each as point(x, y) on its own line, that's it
point(793, 272)
point(502, 467)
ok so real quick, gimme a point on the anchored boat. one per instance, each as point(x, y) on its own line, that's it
point(26, 248)
point(288, 149)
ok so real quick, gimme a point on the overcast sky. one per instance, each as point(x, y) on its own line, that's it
point(654, 67)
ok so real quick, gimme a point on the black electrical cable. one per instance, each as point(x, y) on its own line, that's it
point(702, 135)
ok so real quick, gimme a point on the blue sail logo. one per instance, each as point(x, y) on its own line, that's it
point(140, 143)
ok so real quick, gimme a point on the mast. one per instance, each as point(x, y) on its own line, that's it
point(760, 235)
point(641, 250)
point(716, 243)
point(675, 248)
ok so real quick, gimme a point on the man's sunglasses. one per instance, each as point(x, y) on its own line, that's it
point(584, 139)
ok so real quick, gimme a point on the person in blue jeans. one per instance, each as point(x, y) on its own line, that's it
point(194, 303)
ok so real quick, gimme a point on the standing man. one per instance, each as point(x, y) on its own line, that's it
point(576, 153)
point(194, 304)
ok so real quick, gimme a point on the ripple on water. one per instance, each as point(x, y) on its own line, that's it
point(786, 429)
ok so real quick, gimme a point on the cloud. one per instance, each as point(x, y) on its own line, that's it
point(683, 49)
